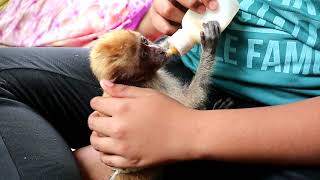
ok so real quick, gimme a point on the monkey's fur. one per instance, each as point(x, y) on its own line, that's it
point(127, 57)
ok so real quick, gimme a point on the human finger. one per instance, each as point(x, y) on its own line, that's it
point(211, 4)
point(103, 144)
point(169, 11)
point(118, 161)
point(195, 5)
point(163, 25)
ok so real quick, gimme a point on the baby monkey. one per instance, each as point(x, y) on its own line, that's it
point(127, 57)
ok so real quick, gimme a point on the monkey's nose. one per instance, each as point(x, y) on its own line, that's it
point(162, 52)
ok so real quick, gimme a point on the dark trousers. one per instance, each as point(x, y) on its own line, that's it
point(44, 105)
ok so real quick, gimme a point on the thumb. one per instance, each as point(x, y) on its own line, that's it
point(121, 91)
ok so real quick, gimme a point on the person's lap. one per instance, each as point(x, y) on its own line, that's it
point(44, 105)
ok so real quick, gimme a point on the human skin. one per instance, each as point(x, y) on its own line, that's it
point(285, 134)
point(164, 18)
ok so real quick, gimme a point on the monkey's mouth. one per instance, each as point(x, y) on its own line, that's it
point(160, 53)
point(162, 56)
point(155, 60)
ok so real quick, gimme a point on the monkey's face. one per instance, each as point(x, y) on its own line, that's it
point(151, 57)
point(126, 57)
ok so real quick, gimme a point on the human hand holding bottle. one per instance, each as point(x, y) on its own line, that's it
point(192, 25)
point(165, 16)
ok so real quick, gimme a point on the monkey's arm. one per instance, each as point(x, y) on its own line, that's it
point(197, 92)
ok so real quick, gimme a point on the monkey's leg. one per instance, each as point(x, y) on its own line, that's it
point(198, 91)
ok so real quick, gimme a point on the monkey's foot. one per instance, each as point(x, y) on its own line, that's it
point(223, 103)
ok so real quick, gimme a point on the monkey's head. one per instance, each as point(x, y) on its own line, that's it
point(126, 57)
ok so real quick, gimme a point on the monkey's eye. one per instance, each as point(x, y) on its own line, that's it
point(144, 54)
point(144, 41)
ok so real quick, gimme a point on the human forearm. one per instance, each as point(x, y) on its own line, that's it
point(165, 17)
point(145, 127)
point(278, 134)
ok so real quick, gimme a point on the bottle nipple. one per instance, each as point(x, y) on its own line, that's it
point(172, 51)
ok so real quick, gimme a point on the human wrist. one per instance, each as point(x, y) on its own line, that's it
point(205, 136)
point(190, 136)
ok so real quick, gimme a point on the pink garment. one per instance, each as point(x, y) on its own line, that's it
point(73, 23)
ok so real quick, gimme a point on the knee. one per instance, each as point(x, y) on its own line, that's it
point(5, 91)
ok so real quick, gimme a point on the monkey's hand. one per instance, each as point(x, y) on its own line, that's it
point(210, 37)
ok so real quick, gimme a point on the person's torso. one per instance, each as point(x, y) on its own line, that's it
point(270, 52)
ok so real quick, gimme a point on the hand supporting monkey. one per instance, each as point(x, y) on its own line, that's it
point(139, 133)
point(165, 16)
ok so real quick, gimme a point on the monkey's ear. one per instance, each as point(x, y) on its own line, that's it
point(105, 48)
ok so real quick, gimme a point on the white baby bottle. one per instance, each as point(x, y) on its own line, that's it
point(189, 35)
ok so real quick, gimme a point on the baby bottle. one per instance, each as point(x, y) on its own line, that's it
point(184, 39)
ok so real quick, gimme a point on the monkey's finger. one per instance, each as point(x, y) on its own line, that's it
point(167, 10)
point(203, 38)
point(161, 24)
